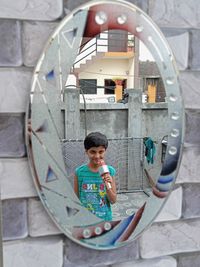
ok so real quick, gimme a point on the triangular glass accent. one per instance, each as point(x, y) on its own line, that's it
point(71, 211)
point(50, 175)
point(50, 77)
point(43, 128)
point(70, 36)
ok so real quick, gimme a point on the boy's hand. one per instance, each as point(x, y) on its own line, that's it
point(107, 180)
point(110, 187)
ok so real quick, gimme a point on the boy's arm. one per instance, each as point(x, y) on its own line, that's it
point(76, 185)
point(111, 192)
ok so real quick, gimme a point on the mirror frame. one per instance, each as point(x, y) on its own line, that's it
point(98, 16)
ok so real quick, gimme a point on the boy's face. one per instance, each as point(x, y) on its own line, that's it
point(95, 154)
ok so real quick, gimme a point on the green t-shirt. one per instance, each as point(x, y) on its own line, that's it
point(92, 192)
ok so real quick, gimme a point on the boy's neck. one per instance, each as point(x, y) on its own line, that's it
point(93, 166)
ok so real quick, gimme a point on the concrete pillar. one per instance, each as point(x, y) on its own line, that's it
point(134, 131)
point(134, 113)
point(137, 82)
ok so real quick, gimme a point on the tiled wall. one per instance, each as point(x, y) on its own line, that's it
point(30, 237)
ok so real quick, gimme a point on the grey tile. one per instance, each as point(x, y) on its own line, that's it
point(12, 135)
point(189, 168)
point(178, 40)
point(170, 32)
point(175, 13)
point(170, 238)
point(191, 200)
point(192, 120)
point(67, 263)
point(195, 52)
point(34, 252)
point(189, 81)
point(189, 260)
point(10, 43)
point(31, 10)
point(84, 256)
point(34, 38)
point(71, 4)
point(14, 219)
point(143, 4)
point(14, 89)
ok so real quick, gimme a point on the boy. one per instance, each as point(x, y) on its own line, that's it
point(96, 192)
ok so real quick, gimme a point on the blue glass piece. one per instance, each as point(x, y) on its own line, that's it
point(50, 75)
point(50, 175)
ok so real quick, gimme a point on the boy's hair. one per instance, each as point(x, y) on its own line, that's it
point(95, 139)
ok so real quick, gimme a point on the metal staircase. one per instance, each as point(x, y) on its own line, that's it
point(95, 49)
point(89, 52)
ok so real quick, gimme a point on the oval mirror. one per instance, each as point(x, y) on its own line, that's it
point(107, 68)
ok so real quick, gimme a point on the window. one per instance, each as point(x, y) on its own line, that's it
point(117, 40)
point(88, 86)
point(109, 87)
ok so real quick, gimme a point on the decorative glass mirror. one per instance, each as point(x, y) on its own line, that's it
point(106, 68)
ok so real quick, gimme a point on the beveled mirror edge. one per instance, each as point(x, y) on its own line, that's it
point(171, 145)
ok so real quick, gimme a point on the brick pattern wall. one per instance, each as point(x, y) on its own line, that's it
point(30, 237)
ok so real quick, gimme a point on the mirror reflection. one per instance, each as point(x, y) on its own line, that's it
point(107, 69)
point(97, 75)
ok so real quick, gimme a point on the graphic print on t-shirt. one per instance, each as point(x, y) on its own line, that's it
point(93, 196)
point(92, 192)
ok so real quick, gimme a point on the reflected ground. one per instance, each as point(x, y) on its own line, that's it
point(129, 203)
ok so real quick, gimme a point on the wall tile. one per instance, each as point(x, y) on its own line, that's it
point(34, 38)
point(191, 200)
point(173, 207)
point(10, 43)
point(141, 4)
point(34, 253)
point(40, 223)
point(14, 219)
point(179, 43)
point(157, 262)
point(192, 120)
point(69, 5)
point(67, 263)
point(189, 167)
point(194, 46)
point(32, 10)
point(170, 238)
point(175, 13)
point(83, 255)
point(15, 178)
point(189, 260)
point(180, 49)
point(189, 82)
point(15, 87)
point(12, 135)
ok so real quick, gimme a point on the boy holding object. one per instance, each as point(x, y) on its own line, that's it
point(94, 183)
